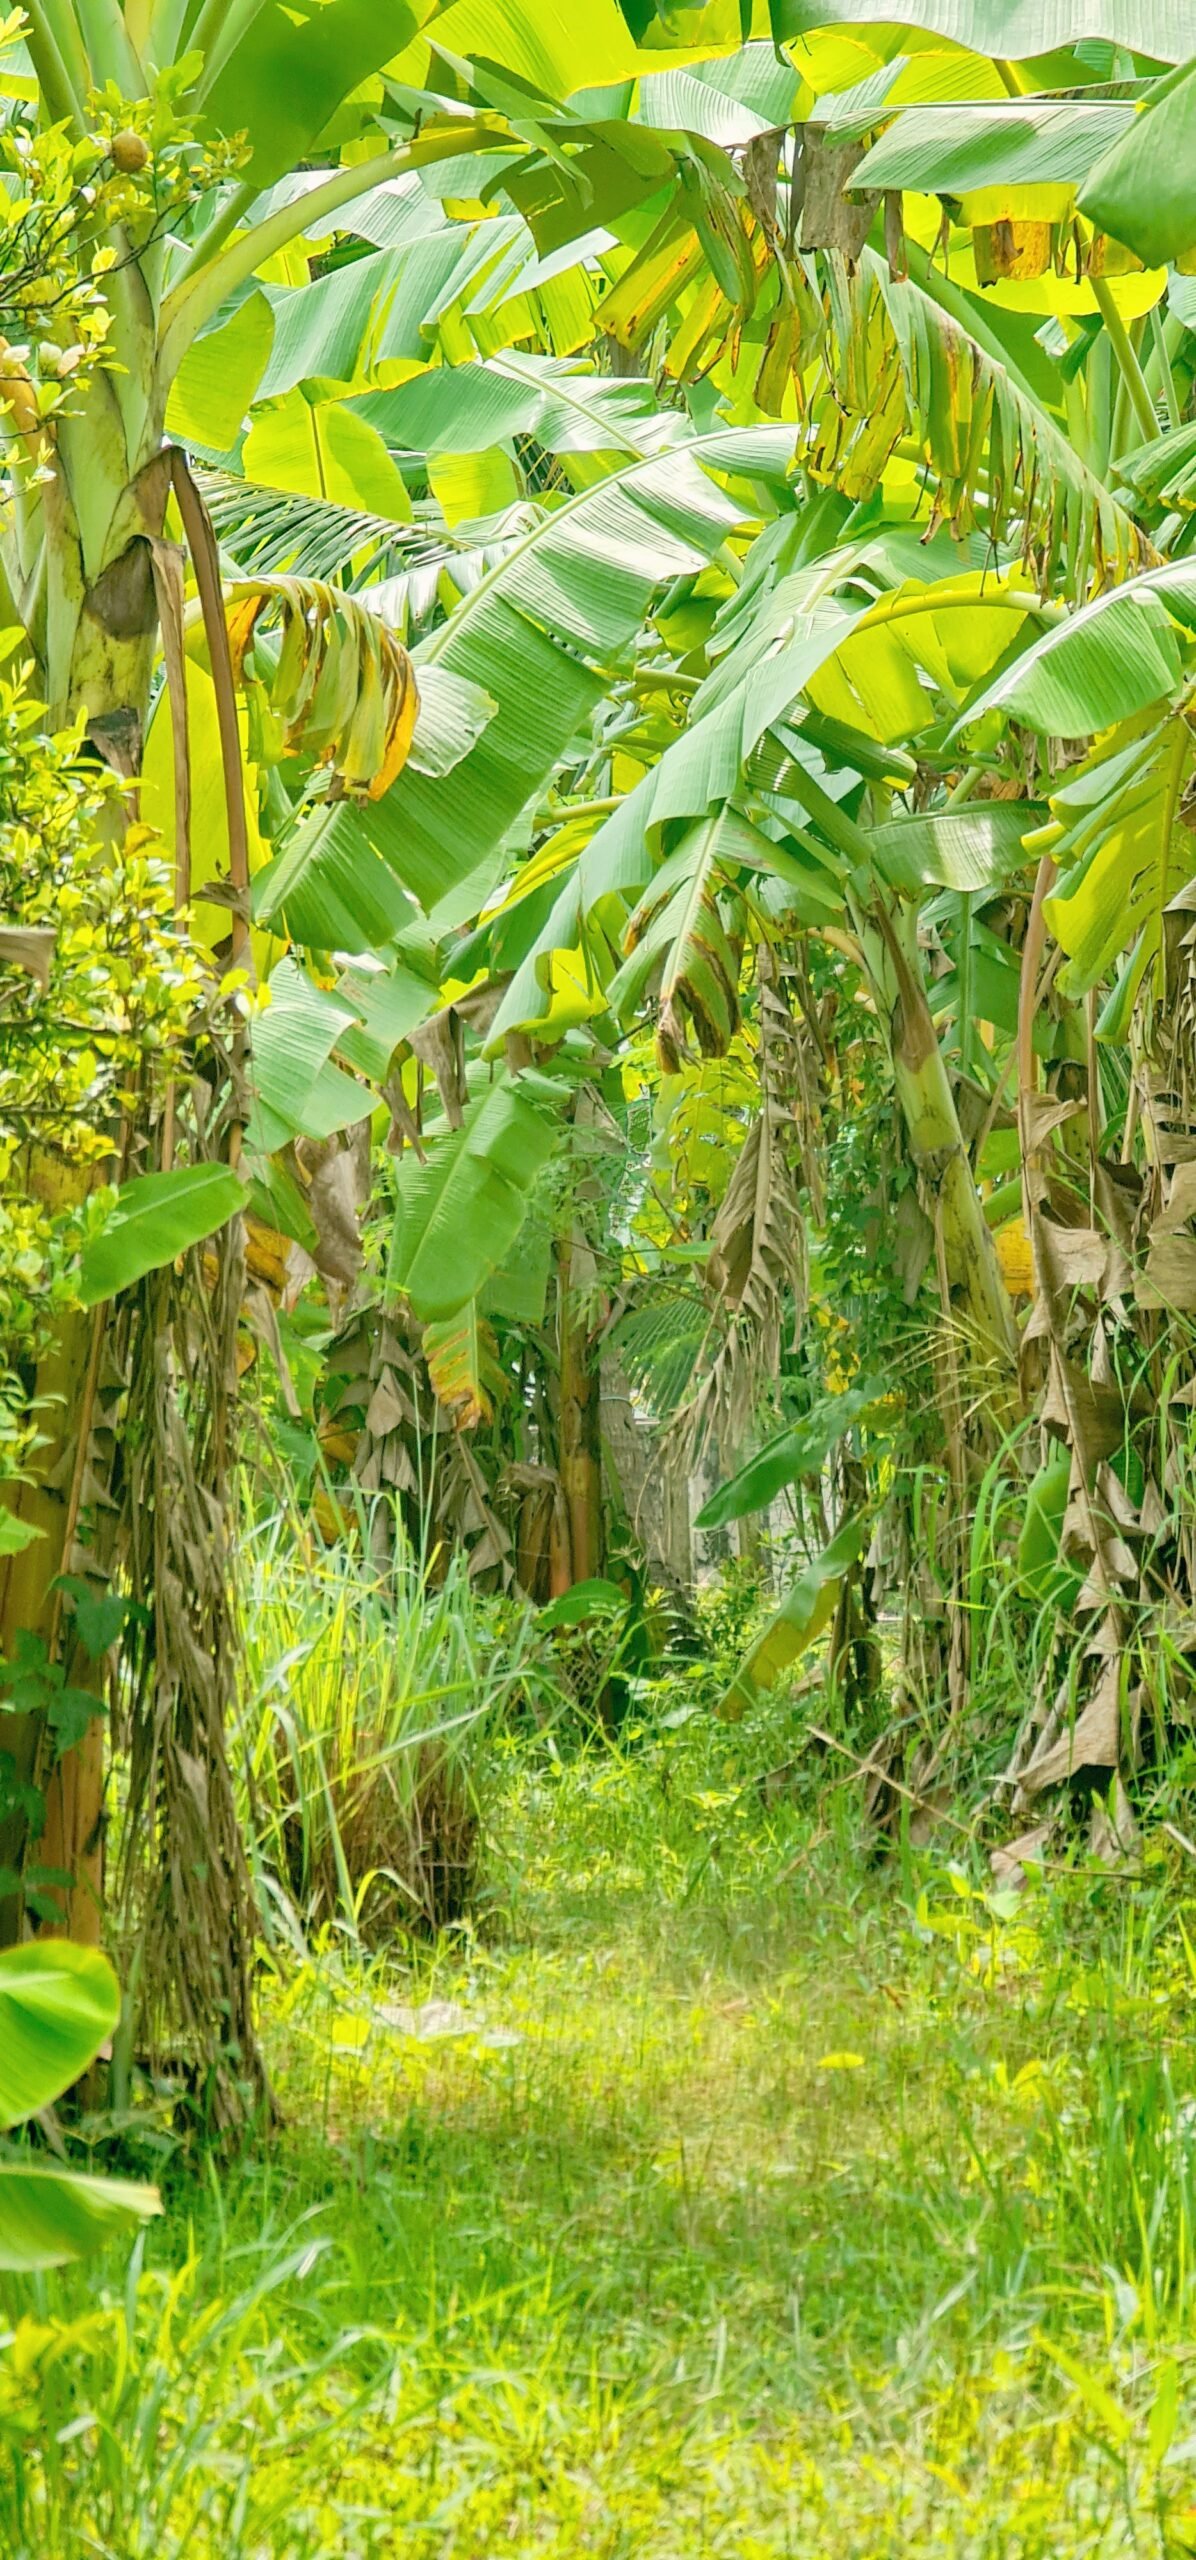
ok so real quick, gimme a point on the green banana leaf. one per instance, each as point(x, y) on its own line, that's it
point(1113, 658)
point(1016, 29)
point(1030, 142)
point(48, 2217)
point(1141, 190)
point(802, 1450)
point(282, 81)
point(157, 1216)
point(976, 847)
point(536, 636)
point(459, 1214)
point(58, 2004)
point(296, 1090)
point(804, 1614)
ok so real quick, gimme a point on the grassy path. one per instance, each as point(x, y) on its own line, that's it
point(740, 2210)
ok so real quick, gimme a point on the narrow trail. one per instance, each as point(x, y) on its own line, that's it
point(724, 2193)
point(775, 2219)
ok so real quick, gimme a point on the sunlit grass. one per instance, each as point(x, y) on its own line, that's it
point(760, 2202)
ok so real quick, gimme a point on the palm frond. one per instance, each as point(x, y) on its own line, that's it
point(272, 530)
point(658, 1344)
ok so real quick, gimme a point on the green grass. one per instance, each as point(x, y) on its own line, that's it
point(776, 2204)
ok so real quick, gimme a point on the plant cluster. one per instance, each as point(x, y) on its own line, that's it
point(99, 989)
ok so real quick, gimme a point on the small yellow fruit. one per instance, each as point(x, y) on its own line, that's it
point(129, 152)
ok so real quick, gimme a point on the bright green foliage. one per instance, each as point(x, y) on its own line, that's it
point(156, 1217)
point(99, 990)
point(732, 2197)
point(58, 2004)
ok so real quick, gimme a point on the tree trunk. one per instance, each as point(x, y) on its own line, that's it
point(976, 1288)
point(580, 1437)
point(975, 1353)
point(30, 1606)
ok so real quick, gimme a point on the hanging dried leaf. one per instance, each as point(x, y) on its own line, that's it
point(344, 687)
point(831, 219)
point(28, 947)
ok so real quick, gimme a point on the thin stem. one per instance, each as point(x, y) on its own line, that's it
point(1000, 599)
point(206, 281)
point(963, 975)
point(964, 966)
point(62, 19)
point(213, 23)
point(557, 814)
point(222, 226)
point(53, 78)
point(113, 57)
point(1099, 399)
point(1128, 365)
point(1163, 362)
point(1077, 417)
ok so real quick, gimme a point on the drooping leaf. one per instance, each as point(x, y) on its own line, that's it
point(1163, 472)
point(1122, 854)
point(50, 2216)
point(975, 847)
point(1141, 190)
point(459, 1213)
point(463, 1366)
point(804, 1613)
point(58, 2004)
point(157, 1216)
point(296, 1091)
point(388, 1005)
point(568, 599)
point(1112, 659)
point(915, 359)
point(677, 930)
point(344, 686)
point(801, 1450)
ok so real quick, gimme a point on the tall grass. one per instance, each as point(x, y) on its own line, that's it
point(371, 1696)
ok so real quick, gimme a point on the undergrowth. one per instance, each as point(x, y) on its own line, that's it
point(721, 2190)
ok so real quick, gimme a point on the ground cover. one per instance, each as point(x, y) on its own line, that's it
point(744, 2197)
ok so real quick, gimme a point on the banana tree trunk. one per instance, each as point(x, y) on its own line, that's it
point(976, 1347)
point(580, 1438)
point(975, 1290)
point(46, 1502)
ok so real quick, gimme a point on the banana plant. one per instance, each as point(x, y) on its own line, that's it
point(59, 2004)
point(164, 231)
